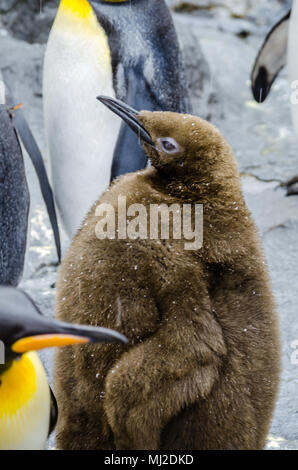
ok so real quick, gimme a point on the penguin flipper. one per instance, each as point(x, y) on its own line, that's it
point(53, 412)
point(129, 155)
point(291, 186)
point(33, 151)
point(271, 59)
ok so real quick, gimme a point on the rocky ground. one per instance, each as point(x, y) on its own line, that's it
point(219, 39)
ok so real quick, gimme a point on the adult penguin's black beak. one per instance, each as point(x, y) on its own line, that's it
point(129, 115)
point(51, 333)
point(23, 328)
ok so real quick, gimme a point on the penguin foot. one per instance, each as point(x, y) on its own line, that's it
point(291, 186)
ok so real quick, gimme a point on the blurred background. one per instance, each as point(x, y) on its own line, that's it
point(219, 40)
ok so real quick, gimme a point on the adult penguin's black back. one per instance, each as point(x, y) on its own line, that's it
point(143, 42)
point(147, 67)
point(14, 203)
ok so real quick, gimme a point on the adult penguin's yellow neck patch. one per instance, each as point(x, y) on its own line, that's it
point(17, 385)
point(78, 15)
point(24, 405)
point(81, 8)
point(76, 25)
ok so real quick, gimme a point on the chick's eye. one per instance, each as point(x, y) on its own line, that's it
point(169, 145)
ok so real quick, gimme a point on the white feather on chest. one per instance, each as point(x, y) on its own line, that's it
point(81, 132)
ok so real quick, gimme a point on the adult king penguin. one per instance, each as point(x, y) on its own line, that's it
point(279, 48)
point(125, 48)
point(28, 409)
point(14, 193)
point(202, 367)
point(14, 199)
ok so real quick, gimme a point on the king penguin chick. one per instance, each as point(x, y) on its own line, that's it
point(278, 49)
point(28, 408)
point(128, 49)
point(202, 367)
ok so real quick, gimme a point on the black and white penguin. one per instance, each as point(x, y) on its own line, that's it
point(28, 409)
point(14, 192)
point(127, 49)
point(279, 49)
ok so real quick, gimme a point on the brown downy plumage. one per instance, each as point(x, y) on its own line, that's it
point(202, 366)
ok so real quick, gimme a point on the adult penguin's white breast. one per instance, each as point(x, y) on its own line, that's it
point(81, 133)
point(293, 61)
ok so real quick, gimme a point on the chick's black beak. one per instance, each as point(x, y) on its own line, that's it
point(129, 115)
